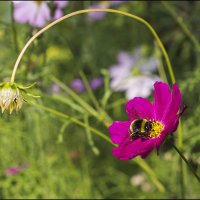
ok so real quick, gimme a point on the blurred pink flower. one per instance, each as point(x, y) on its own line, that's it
point(15, 170)
point(12, 171)
point(36, 13)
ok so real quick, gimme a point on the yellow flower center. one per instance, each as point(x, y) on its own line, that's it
point(156, 129)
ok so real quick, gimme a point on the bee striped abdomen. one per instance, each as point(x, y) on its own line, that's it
point(139, 128)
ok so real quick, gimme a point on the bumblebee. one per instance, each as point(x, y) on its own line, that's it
point(140, 128)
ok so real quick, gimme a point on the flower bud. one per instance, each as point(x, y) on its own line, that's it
point(10, 97)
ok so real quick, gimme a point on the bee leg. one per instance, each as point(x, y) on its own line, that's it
point(132, 136)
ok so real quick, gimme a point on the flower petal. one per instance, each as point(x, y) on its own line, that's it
point(174, 103)
point(169, 128)
point(130, 149)
point(61, 4)
point(141, 86)
point(119, 131)
point(126, 59)
point(24, 11)
point(162, 99)
point(149, 149)
point(139, 108)
point(172, 124)
point(58, 13)
point(42, 16)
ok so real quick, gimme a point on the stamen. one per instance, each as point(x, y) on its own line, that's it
point(156, 129)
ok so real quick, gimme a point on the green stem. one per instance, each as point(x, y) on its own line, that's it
point(102, 114)
point(161, 69)
point(89, 137)
point(90, 93)
point(181, 23)
point(180, 136)
point(116, 103)
point(180, 146)
point(76, 97)
point(186, 161)
point(14, 29)
point(66, 117)
point(97, 10)
point(150, 172)
point(182, 186)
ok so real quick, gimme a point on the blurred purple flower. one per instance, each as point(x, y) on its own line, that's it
point(93, 16)
point(96, 83)
point(15, 170)
point(134, 74)
point(77, 85)
point(36, 13)
point(59, 5)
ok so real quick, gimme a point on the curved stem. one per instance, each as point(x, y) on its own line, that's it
point(187, 162)
point(97, 10)
point(141, 162)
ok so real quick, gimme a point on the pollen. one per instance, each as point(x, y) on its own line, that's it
point(156, 129)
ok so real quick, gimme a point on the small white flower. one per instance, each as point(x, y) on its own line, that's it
point(140, 180)
point(134, 74)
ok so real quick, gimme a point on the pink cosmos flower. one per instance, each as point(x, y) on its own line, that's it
point(162, 115)
point(36, 13)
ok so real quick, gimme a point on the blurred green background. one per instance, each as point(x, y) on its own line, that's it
point(59, 159)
